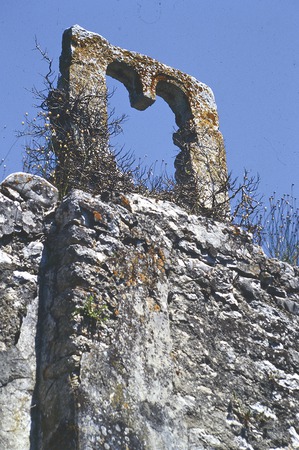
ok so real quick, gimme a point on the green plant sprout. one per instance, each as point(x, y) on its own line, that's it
point(93, 310)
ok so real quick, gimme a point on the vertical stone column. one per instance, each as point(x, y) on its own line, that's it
point(79, 118)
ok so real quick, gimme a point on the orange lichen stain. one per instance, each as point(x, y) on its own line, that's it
point(152, 305)
point(124, 201)
point(236, 230)
point(159, 265)
point(142, 277)
point(161, 254)
point(212, 117)
point(97, 216)
point(91, 55)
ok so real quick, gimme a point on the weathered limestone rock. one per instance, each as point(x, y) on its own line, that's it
point(193, 341)
point(24, 202)
point(156, 330)
point(24, 197)
point(200, 166)
point(31, 187)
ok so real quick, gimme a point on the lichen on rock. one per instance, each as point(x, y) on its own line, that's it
point(25, 201)
point(152, 329)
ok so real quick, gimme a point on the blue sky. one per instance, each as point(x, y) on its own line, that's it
point(245, 50)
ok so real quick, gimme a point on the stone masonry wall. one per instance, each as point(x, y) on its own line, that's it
point(152, 329)
point(85, 61)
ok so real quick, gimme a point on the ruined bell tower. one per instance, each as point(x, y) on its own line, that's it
point(200, 165)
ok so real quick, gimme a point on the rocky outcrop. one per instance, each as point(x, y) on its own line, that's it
point(156, 329)
point(25, 202)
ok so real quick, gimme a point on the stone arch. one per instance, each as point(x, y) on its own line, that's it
point(147, 133)
point(176, 98)
point(130, 78)
point(201, 164)
point(165, 87)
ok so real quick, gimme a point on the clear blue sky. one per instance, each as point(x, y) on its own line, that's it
point(245, 50)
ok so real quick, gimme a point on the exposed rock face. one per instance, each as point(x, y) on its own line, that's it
point(25, 200)
point(86, 59)
point(156, 330)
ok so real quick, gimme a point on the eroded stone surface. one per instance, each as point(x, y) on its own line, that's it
point(195, 346)
point(154, 330)
point(31, 187)
point(200, 166)
point(24, 202)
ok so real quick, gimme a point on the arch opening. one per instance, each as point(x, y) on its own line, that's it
point(167, 89)
point(147, 135)
point(131, 80)
point(177, 101)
